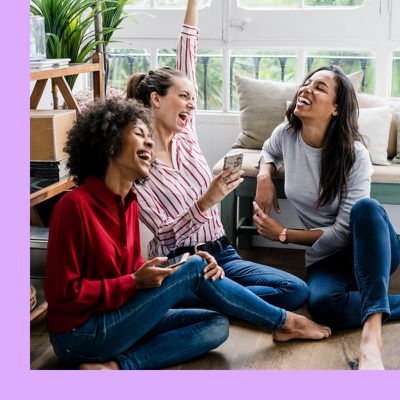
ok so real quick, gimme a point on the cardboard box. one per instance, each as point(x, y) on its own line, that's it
point(49, 133)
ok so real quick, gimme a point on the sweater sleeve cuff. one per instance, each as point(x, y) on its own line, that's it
point(127, 284)
point(199, 216)
point(190, 30)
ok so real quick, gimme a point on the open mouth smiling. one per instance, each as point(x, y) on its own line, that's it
point(303, 100)
point(145, 156)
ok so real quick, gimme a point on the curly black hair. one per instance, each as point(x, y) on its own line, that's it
point(97, 134)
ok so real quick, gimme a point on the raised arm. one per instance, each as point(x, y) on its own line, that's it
point(191, 13)
point(186, 52)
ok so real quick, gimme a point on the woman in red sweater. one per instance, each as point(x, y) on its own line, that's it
point(94, 275)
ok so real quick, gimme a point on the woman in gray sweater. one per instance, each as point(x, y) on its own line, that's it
point(353, 246)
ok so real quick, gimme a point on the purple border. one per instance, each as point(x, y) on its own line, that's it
point(18, 381)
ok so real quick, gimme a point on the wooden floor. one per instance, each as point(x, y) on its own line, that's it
point(249, 347)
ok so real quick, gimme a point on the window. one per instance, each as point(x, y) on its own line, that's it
point(396, 74)
point(208, 73)
point(167, 3)
point(277, 40)
point(261, 64)
point(124, 63)
point(300, 3)
point(349, 61)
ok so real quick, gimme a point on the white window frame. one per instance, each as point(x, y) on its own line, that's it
point(224, 25)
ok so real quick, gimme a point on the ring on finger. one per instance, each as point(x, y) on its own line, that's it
point(226, 180)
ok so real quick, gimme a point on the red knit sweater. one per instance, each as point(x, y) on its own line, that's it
point(93, 249)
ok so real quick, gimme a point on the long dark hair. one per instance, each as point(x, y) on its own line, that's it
point(141, 85)
point(338, 154)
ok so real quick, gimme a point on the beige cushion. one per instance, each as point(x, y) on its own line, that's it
point(395, 127)
point(262, 109)
point(396, 159)
point(382, 174)
point(386, 174)
point(374, 125)
point(368, 101)
point(263, 106)
point(356, 79)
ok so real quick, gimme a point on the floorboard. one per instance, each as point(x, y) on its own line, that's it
point(252, 348)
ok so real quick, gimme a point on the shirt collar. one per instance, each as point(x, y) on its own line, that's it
point(99, 189)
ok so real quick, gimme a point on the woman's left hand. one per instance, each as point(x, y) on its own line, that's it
point(266, 226)
point(212, 270)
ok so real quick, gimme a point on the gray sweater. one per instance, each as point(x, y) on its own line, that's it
point(302, 174)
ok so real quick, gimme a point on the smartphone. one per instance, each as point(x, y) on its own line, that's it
point(235, 161)
point(181, 261)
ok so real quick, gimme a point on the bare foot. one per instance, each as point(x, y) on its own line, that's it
point(300, 327)
point(371, 344)
point(96, 366)
point(370, 357)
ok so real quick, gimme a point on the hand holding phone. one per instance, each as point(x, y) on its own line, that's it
point(181, 261)
point(235, 161)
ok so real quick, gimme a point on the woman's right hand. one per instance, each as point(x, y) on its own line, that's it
point(219, 187)
point(150, 276)
point(266, 194)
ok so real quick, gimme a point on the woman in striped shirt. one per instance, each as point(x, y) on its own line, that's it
point(179, 201)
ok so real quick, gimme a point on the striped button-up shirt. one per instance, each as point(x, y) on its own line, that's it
point(168, 199)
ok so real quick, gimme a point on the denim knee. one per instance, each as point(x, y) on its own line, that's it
point(300, 294)
point(195, 264)
point(364, 211)
point(218, 331)
point(321, 306)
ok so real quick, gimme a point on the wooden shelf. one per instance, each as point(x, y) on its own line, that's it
point(65, 70)
point(50, 191)
point(58, 74)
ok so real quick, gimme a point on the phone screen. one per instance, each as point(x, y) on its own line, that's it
point(181, 261)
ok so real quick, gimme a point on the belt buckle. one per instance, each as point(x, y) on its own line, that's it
point(197, 245)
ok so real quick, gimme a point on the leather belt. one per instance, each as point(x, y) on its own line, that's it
point(209, 247)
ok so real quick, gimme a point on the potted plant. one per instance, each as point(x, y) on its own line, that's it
point(70, 31)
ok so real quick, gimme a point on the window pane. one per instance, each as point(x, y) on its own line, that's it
point(275, 65)
point(180, 3)
point(124, 63)
point(295, 3)
point(333, 3)
point(268, 3)
point(349, 61)
point(396, 74)
point(140, 3)
point(208, 73)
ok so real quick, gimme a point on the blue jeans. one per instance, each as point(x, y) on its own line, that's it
point(145, 333)
point(352, 284)
point(273, 285)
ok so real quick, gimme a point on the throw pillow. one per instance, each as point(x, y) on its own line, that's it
point(374, 125)
point(263, 106)
point(356, 79)
point(368, 101)
point(262, 109)
point(397, 158)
